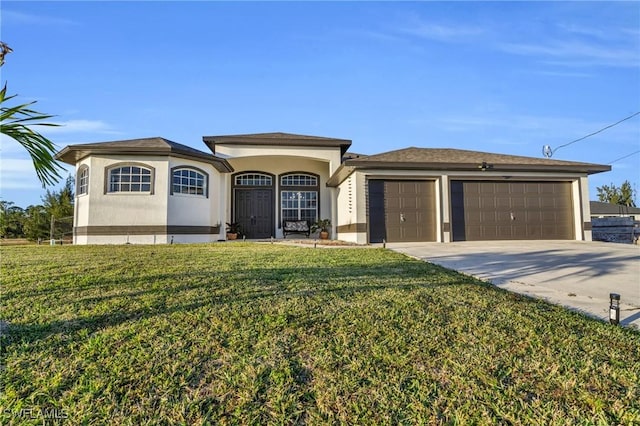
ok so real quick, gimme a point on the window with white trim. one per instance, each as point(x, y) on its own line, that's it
point(299, 197)
point(83, 181)
point(187, 180)
point(298, 180)
point(299, 205)
point(253, 179)
point(130, 179)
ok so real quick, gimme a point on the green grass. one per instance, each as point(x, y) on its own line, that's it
point(269, 334)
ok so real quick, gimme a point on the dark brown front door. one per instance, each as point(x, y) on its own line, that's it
point(408, 211)
point(254, 212)
point(486, 210)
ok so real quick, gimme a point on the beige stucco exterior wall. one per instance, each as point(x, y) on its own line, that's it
point(353, 209)
point(347, 210)
point(126, 208)
point(195, 210)
point(158, 209)
point(581, 203)
point(331, 156)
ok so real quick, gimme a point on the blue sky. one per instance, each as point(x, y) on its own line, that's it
point(490, 76)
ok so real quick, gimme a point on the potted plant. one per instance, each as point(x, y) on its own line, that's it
point(233, 230)
point(323, 225)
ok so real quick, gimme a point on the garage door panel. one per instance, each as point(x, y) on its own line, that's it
point(501, 190)
point(410, 202)
point(516, 188)
point(502, 217)
point(548, 203)
point(520, 229)
point(487, 188)
point(503, 202)
point(532, 203)
point(531, 188)
point(511, 210)
point(518, 203)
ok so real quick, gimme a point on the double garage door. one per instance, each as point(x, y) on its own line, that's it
point(405, 211)
point(486, 210)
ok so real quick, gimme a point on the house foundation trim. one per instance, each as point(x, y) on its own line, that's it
point(352, 227)
point(146, 230)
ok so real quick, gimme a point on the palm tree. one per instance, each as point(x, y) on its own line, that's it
point(16, 122)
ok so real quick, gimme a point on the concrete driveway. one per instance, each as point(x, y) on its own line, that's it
point(576, 274)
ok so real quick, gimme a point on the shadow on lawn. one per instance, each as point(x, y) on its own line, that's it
point(244, 286)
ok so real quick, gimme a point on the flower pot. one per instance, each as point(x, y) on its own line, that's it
point(232, 236)
point(324, 235)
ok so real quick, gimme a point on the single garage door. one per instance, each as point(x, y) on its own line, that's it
point(401, 210)
point(486, 210)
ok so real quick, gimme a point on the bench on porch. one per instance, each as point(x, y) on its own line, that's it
point(296, 227)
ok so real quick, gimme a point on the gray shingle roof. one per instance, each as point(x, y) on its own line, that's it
point(449, 156)
point(606, 209)
point(144, 146)
point(458, 160)
point(277, 138)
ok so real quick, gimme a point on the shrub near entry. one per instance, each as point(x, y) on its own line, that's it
point(250, 333)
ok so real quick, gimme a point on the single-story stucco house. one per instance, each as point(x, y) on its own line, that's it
point(153, 190)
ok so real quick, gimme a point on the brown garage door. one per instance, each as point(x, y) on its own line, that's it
point(402, 211)
point(486, 210)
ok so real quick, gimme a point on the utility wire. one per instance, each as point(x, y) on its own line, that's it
point(622, 158)
point(549, 151)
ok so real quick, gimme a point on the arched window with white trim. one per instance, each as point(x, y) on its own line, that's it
point(189, 180)
point(131, 177)
point(82, 180)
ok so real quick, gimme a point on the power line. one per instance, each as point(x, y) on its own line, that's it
point(622, 158)
point(548, 152)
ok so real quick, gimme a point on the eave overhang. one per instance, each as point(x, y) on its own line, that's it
point(74, 153)
point(277, 139)
point(350, 166)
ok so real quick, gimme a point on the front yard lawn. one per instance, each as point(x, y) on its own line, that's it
point(241, 333)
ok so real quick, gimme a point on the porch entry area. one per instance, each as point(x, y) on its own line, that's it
point(255, 199)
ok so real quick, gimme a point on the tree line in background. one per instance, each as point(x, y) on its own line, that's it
point(35, 222)
point(623, 195)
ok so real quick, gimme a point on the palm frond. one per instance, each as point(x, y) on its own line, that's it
point(16, 123)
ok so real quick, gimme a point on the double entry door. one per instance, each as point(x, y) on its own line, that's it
point(254, 212)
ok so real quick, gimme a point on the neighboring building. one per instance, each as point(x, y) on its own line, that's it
point(601, 210)
point(614, 222)
point(157, 191)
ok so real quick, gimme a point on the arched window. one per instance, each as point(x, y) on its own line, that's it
point(82, 180)
point(253, 179)
point(189, 180)
point(299, 196)
point(130, 178)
